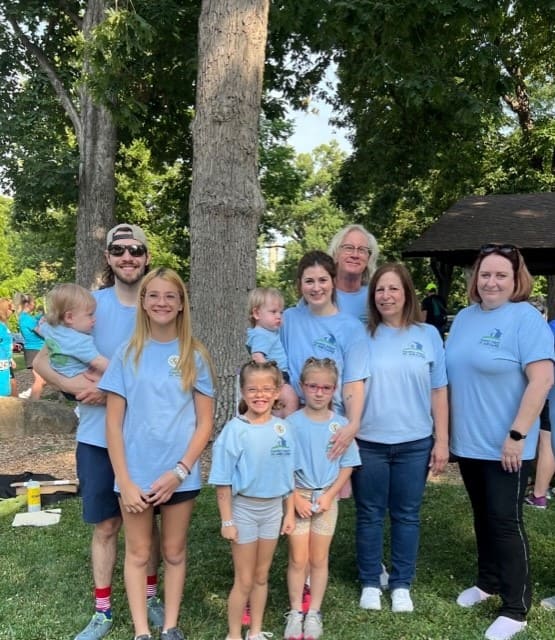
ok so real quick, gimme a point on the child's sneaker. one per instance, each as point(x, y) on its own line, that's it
point(313, 627)
point(306, 598)
point(535, 501)
point(294, 626)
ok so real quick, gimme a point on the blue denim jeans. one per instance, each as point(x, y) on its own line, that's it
point(392, 476)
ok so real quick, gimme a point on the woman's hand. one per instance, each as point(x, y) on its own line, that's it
point(132, 499)
point(439, 458)
point(324, 502)
point(511, 454)
point(163, 488)
point(341, 440)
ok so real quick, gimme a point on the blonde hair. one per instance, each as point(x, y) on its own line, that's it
point(67, 297)
point(5, 308)
point(258, 297)
point(22, 300)
point(319, 364)
point(187, 343)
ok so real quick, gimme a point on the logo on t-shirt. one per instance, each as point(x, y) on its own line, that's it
point(172, 362)
point(493, 339)
point(281, 448)
point(326, 343)
point(414, 350)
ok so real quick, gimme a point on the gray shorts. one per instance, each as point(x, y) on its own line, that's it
point(257, 518)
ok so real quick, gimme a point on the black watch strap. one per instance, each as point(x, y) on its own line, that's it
point(516, 435)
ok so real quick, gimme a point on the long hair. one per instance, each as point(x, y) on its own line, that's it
point(187, 343)
point(339, 238)
point(411, 310)
point(523, 280)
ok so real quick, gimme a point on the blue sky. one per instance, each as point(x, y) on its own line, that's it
point(313, 129)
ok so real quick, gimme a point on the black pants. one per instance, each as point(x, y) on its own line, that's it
point(503, 554)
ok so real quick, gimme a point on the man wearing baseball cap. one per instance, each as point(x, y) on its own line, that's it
point(127, 261)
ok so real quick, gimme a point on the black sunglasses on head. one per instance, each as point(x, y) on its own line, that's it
point(503, 249)
point(135, 250)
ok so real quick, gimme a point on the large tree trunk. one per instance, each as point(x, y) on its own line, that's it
point(226, 202)
point(97, 155)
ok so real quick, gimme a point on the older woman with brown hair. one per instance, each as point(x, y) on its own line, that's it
point(500, 365)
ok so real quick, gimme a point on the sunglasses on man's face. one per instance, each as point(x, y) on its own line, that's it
point(134, 250)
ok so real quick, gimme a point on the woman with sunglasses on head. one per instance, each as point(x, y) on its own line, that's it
point(316, 327)
point(355, 253)
point(403, 434)
point(500, 366)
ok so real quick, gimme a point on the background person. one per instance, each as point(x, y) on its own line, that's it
point(32, 342)
point(159, 409)
point(434, 309)
point(500, 365)
point(6, 360)
point(403, 434)
point(127, 260)
point(355, 253)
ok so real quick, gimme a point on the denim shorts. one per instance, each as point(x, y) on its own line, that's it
point(257, 518)
point(96, 483)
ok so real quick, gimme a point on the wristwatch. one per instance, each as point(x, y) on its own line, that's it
point(516, 435)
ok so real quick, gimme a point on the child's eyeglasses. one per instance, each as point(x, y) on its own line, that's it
point(313, 388)
point(135, 250)
point(264, 391)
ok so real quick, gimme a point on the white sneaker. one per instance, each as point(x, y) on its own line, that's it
point(504, 628)
point(370, 598)
point(384, 578)
point(471, 596)
point(25, 394)
point(401, 601)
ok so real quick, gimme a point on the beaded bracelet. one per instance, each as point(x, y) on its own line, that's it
point(179, 473)
point(182, 464)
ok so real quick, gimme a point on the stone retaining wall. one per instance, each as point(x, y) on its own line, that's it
point(25, 418)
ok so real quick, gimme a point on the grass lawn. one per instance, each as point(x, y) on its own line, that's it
point(46, 588)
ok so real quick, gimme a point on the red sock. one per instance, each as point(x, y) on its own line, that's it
point(103, 603)
point(151, 586)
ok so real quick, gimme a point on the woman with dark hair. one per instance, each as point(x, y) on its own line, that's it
point(500, 366)
point(316, 328)
point(355, 253)
point(405, 407)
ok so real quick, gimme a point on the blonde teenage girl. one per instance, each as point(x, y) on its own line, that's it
point(318, 480)
point(252, 467)
point(159, 418)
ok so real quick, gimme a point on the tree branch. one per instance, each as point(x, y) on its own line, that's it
point(49, 70)
point(66, 8)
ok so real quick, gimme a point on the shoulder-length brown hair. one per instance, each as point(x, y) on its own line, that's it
point(411, 310)
point(316, 259)
point(523, 280)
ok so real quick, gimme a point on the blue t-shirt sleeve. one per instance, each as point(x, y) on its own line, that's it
point(225, 455)
point(357, 354)
point(113, 378)
point(533, 338)
point(203, 383)
point(257, 341)
point(438, 369)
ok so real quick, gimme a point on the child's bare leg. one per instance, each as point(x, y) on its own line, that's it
point(319, 557)
point(259, 593)
point(244, 563)
point(297, 567)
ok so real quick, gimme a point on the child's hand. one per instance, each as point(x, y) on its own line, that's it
point(229, 533)
point(324, 502)
point(303, 506)
point(288, 525)
point(163, 488)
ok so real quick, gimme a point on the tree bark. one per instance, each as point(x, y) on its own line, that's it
point(226, 202)
point(97, 157)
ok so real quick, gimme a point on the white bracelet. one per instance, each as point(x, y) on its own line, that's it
point(227, 523)
point(179, 473)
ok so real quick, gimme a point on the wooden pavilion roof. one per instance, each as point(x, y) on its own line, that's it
point(525, 220)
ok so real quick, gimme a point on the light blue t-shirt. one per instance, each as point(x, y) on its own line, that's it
point(114, 325)
point(260, 340)
point(340, 337)
point(69, 351)
point(355, 303)
point(313, 468)
point(405, 365)
point(256, 460)
point(5, 359)
point(160, 417)
point(487, 353)
point(27, 326)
